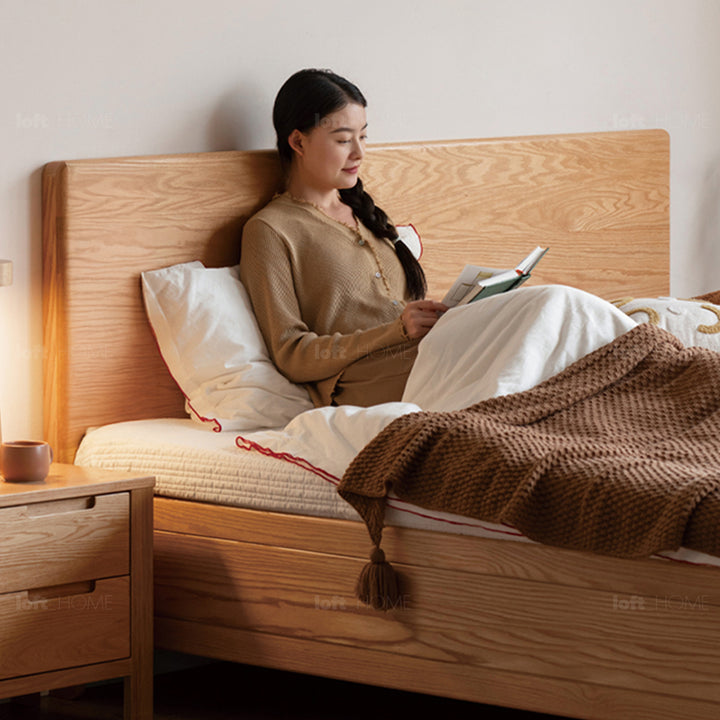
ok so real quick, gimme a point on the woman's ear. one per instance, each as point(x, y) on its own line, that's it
point(295, 140)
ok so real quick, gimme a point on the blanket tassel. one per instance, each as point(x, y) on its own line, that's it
point(378, 584)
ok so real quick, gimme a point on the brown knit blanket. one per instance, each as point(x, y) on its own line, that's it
point(618, 454)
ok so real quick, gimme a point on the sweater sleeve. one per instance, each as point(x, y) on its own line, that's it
point(303, 356)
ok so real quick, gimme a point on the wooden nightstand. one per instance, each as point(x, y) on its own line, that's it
point(76, 583)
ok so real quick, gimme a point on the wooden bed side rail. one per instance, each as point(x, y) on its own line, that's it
point(491, 621)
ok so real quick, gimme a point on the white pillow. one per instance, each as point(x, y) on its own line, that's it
point(694, 322)
point(213, 348)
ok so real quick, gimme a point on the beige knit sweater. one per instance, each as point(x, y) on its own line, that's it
point(328, 300)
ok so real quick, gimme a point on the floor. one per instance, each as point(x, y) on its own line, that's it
point(225, 691)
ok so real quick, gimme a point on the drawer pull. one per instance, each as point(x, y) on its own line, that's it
point(57, 507)
point(22, 513)
point(57, 591)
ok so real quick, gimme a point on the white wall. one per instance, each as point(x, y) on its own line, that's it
point(91, 78)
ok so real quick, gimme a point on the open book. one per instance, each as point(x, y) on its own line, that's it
point(479, 282)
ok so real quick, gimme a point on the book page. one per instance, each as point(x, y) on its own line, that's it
point(468, 279)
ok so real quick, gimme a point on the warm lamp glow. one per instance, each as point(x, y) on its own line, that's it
point(5, 272)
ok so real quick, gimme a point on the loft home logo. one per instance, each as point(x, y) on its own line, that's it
point(664, 603)
point(336, 602)
point(65, 121)
point(68, 603)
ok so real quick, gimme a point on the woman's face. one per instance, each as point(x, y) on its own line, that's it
point(329, 156)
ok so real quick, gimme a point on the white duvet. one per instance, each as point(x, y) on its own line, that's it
point(503, 344)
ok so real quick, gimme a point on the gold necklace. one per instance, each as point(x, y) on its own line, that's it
point(302, 201)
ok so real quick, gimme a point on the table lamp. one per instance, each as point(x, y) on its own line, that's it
point(5, 279)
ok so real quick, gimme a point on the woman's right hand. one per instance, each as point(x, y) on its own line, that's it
point(419, 316)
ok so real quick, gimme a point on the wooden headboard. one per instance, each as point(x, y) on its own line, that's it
point(600, 201)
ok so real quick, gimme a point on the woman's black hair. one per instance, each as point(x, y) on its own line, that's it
point(303, 101)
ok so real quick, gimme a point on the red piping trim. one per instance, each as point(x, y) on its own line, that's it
point(396, 503)
point(245, 444)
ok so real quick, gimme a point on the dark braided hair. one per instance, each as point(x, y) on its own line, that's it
point(303, 101)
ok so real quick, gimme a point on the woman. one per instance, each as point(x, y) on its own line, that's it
point(340, 303)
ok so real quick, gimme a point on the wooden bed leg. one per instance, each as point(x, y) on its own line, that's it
point(138, 690)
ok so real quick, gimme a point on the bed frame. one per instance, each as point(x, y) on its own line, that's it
point(491, 621)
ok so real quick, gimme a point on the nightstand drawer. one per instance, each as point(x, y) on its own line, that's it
point(64, 541)
point(65, 626)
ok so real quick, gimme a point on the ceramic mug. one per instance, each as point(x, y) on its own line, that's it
point(25, 460)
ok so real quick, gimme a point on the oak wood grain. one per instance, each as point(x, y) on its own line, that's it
point(65, 678)
point(409, 546)
point(85, 627)
point(483, 684)
point(76, 583)
point(70, 481)
point(64, 541)
point(455, 617)
point(600, 202)
point(138, 687)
